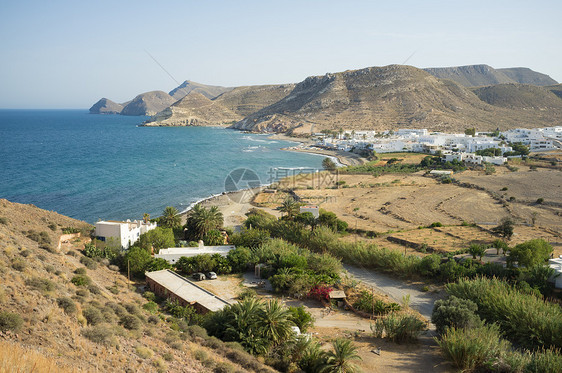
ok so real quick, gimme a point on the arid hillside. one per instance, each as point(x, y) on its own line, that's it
point(229, 107)
point(386, 97)
point(61, 310)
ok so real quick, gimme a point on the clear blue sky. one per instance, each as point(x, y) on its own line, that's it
point(68, 54)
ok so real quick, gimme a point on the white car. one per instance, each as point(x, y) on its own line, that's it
point(211, 275)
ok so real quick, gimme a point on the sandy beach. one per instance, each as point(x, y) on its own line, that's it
point(233, 205)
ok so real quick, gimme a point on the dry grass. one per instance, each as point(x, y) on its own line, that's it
point(14, 358)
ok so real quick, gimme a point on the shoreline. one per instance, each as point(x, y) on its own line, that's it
point(342, 158)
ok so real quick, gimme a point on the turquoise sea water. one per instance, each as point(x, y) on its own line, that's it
point(104, 166)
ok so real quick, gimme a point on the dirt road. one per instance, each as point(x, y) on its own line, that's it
point(396, 289)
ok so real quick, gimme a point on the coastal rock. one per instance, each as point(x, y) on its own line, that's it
point(106, 106)
point(148, 103)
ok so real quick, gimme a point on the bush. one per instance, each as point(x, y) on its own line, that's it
point(149, 296)
point(151, 307)
point(18, 264)
point(88, 262)
point(301, 318)
point(224, 367)
point(94, 289)
point(530, 253)
point(435, 224)
point(39, 237)
point(131, 322)
point(398, 328)
point(99, 334)
point(67, 305)
point(10, 321)
point(93, 316)
point(152, 319)
point(454, 312)
point(429, 265)
point(197, 331)
point(41, 284)
point(524, 318)
point(540, 200)
point(200, 355)
point(80, 271)
point(118, 309)
point(4, 221)
point(469, 349)
point(144, 352)
point(81, 280)
point(82, 292)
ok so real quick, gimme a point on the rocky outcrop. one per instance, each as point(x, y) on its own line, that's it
point(148, 103)
point(106, 106)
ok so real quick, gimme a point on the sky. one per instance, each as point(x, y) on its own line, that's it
point(68, 54)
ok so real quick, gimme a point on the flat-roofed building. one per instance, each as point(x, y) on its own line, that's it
point(173, 254)
point(169, 285)
point(124, 233)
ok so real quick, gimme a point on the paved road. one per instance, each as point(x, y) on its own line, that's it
point(396, 289)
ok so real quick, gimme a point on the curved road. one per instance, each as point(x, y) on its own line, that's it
point(396, 289)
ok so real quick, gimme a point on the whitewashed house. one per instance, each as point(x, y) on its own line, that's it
point(173, 254)
point(125, 233)
point(556, 264)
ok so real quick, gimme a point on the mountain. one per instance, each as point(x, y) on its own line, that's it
point(471, 75)
point(483, 75)
point(148, 103)
point(387, 97)
point(194, 110)
point(229, 107)
point(188, 86)
point(106, 106)
point(519, 96)
point(525, 75)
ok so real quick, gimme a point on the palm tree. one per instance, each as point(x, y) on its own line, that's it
point(274, 322)
point(203, 220)
point(290, 207)
point(340, 360)
point(170, 217)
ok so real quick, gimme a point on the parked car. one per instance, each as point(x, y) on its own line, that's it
point(198, 276)
point(211, 275)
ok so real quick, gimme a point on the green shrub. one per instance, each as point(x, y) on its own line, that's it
point(398, 328)
point(149, 296)
point(39, 237)
point(10, 321)
point(151, 307)
point(152, 319)
point(301, 318)
point(94, 289)
point(131, 322)
point(99, 334)
point(435, 224)
point(469, 349)
point(41, 284)
point(67, 305)
point(545, 361)
point(540, 200)
point(524, 318)
point(25, 253)
point(454, 312)
point(429, 265)
point(167, 356)
point(52, 226)
point(82, 292)
point(132, 308)
point(93, 315)
point(81, 280)
point(80, 271)
point(197, 331)
point(4, 221)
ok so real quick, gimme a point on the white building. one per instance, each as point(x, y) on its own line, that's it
point(124, 232)
point(173, 254)
point(473, 158)
point(556, 264)
point(314, 210)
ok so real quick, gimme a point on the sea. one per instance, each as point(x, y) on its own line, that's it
point(92, 167)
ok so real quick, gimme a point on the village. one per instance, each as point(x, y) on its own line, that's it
point(470, 147)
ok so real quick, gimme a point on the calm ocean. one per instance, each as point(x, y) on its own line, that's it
point(104, 166)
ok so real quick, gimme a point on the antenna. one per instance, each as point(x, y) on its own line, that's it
point(162, 67)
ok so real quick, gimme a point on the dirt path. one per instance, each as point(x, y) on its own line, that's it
point(396, 289)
